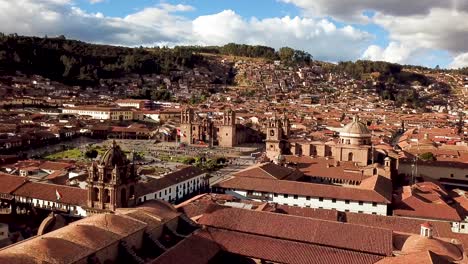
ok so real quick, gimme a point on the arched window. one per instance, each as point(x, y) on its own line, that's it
point(272, 133)
point(123, 197)
point(107, 196)
point(95, 194)
point(350, 156)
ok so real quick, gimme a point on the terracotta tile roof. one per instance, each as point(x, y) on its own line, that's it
point(44, 191)
point(327, 168)
point(74, 242)
point(55, 166)
point(196, 248)
point(304, 189)
point(348, 236)
point(407, 225)
point(161, 208)
point(424, 257)
point(323, 214)
point(9, 183)
point(269, 171)
point(425, 200)
point(282, 251)
point(379, 184)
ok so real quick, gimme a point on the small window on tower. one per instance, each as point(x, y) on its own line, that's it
point(272, 132)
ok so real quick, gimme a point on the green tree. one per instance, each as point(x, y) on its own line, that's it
point(427, 156)
point(286, 54)
point(91, 153)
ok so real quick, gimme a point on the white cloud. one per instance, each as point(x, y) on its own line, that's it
point(394, 52)
point(160, 25)
point(96, 1)
point(459, 61)
point(439, 29)
point(149, 26)
point(322, 38)
point(176, 8)
point(414, 27)
point(354, 10)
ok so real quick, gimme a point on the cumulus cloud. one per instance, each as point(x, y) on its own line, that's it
point(412, 25)
point(354, 10)
point(394, 52)
point(156, 25)
point(459, 61)
point(162, 25)
point(440, 29)
point(322, 38)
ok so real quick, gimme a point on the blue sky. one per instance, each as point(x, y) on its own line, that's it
point(246, 8)
point(428, 33)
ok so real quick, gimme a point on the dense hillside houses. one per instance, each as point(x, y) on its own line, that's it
point(232, 154)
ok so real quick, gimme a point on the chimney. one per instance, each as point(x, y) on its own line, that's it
point(426, 230)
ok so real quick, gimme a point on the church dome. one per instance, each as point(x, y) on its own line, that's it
point(355, 128)
point(113, 156)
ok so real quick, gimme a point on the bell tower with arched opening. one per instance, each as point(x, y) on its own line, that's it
point(276, 136)
point(111, 181)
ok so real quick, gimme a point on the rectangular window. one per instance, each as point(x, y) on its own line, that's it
point(296, 197)
point(285, 195)
point(346, 210)
point(320, 199)
point(346, 201)
point(333, 200)
point(275, 194)
point(308, 206)
point(451, 175)
point(361, 202)
point(374, 213)
point(360, 212)
point(308, 198)
point(374, 204)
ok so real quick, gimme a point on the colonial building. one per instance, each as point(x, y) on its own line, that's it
point(135, 103)
point(372, 197)
point(101, 113)
point(174, 186)
point(111, 181)
point(354, 142)
point(207, 130)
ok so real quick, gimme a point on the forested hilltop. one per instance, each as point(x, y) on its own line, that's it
point(77, 62)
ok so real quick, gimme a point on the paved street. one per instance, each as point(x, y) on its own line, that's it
point(237, 165)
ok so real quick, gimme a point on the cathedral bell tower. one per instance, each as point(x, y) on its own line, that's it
point(186, 126)
point(227, 136)
point(111, 181)
point(276, 138)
